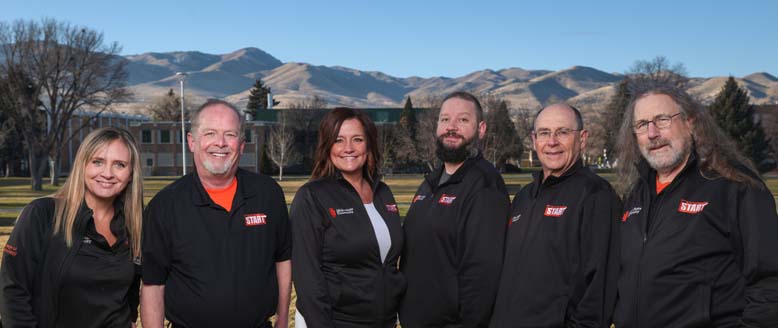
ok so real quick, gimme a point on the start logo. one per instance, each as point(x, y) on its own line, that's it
point(691, 207)
point(392, 208)
point(446, 199)
point(10, 250)
point(418, 198)
point(554, 211)
point(255, 219)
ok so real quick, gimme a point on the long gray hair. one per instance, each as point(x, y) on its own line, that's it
point(715, 150)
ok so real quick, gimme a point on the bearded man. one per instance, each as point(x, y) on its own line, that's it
point(455, 227)
point(699, 232)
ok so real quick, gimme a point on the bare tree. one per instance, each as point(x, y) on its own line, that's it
point(427, 123)
point(314, 102)
point(523, 117)
point(657, 71)
point(10, 140)
point(168, 107)
point(55, 69)
point(396, 146)
point(280, 144)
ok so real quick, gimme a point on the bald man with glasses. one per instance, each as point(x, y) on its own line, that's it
point(559, 269)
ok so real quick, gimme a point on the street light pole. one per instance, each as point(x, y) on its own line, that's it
point(181, 77)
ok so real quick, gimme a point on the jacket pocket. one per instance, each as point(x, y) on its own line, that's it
point(334, 286)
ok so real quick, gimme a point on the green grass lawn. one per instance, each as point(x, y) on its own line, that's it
point(15, 193)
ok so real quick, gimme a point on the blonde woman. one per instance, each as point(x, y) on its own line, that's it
point(71, 260)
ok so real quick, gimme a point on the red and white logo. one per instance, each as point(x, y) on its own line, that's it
point(392, 208)
point(629, 213)
point(255, 219)
point(691, 207)
point(419, 197)
point(333, 214)
point(555, 211)
point(10, 250)
point(446, 199)
point(514, 219)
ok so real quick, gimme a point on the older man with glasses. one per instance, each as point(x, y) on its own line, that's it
point(699, 233)
point(559, 269)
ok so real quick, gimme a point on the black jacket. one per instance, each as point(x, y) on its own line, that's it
point(454, 236)
point(338, 274)
point(559, 268)
point(702, 253)
point(33, 265)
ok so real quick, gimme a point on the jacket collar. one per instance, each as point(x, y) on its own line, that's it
point(553, 180)
point(434, 177)
point(341, 179)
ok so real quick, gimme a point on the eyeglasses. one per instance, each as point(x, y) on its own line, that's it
point(660, 121)
point(559, 134)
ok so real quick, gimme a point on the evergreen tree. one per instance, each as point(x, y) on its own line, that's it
point(731, 109)
point(168, 107)
point(613, 115)
point(258, 98)
point(501, 141)
point(408, 118)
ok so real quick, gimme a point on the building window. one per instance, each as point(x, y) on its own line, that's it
point(149, 162)
point(145, 136)
point(247, 135)
point(164, 136)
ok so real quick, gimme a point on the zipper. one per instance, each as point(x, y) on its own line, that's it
point(653, 209)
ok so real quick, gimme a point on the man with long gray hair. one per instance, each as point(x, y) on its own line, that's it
point(700, 232)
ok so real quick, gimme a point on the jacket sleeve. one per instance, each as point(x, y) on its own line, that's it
point(22, 259)
point(481, 252)
point(758, 223)
point(595, 285)
point(313, 300)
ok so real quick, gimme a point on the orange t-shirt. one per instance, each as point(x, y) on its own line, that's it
point(224, 197)
point(661, 186)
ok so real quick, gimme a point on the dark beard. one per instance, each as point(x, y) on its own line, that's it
point(469, 148)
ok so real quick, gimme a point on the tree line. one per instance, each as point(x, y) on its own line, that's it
point(50, 70)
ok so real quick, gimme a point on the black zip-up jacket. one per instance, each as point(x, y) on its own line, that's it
point(454, 238)
point(338, 274)
point(559, 268)
point(33, 265)
point(702, 253)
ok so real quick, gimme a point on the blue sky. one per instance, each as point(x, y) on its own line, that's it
point(441, 38)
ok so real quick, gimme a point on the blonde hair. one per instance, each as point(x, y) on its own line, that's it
point(70, 196)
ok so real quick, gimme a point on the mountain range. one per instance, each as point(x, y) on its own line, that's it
point(230, 76)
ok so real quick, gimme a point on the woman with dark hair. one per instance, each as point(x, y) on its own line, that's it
point(71, 259)
point(346, 231)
